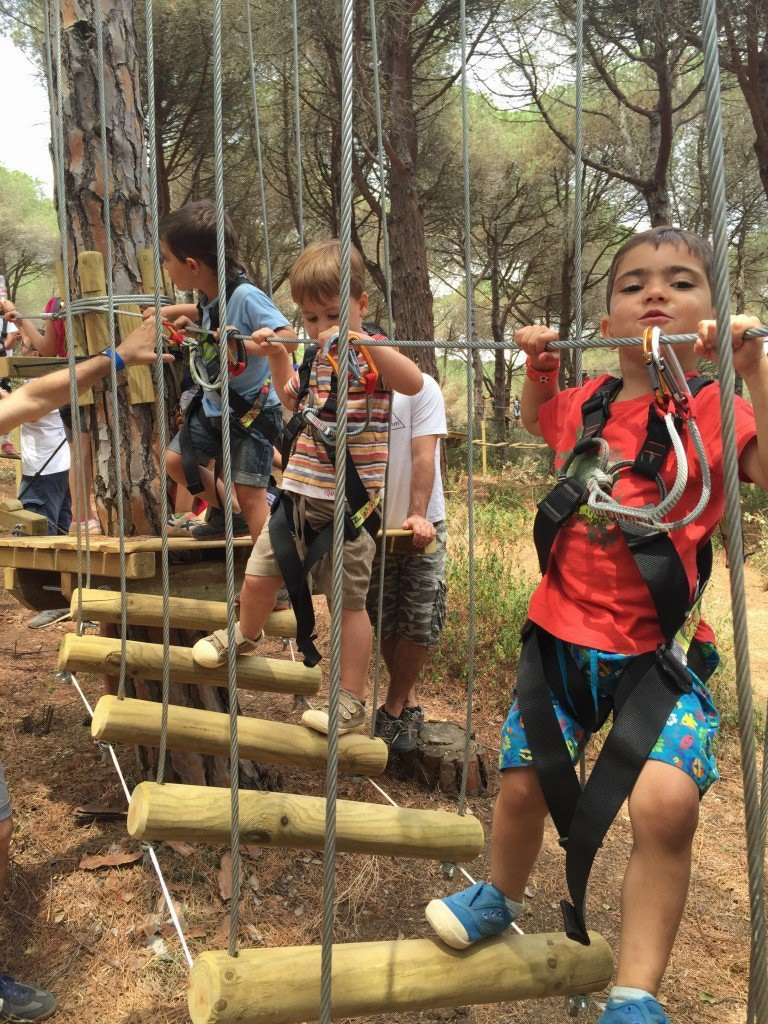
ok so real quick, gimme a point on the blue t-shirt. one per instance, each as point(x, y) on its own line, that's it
point(248, 310)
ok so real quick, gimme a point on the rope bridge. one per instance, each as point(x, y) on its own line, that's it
point(277, 986)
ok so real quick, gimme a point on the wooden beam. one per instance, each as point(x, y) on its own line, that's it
point(282, 985)
point(202, 814)
point(207, 732)
point(99, 654)
point(186, 612)
point(13, 516)
point(27, 367)
point(25, 553)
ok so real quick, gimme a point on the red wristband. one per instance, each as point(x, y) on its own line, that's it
point(540, 376)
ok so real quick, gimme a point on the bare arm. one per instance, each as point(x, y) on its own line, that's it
point(44, 394)
point(533, 341)
point(44, 343)
point(422, 482)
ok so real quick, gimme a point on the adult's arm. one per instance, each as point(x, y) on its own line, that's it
point(44, 394)
point(422, 482)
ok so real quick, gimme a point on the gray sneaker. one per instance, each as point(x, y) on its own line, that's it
point(213, 527)
point(24, 1002)
point(48, 617)
point(351, 715)
point(398, 733)
point(414, 715)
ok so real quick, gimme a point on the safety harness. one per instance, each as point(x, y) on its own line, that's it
point(362, 511)
point(244, 414)
point(652, 683)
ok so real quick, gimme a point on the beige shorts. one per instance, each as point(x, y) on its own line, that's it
point(358, 554)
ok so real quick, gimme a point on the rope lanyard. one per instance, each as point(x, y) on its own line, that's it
point(758, 989)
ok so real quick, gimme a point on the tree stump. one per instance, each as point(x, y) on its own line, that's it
point(437, 762)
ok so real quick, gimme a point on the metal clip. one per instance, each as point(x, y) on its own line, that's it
point(574, 1005)
point(667, 378)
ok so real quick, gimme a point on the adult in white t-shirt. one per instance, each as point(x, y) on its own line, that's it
point(44, 486)
point(414, 585)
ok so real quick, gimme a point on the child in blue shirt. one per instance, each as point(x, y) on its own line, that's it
point(188, 244)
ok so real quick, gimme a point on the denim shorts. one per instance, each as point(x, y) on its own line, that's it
point(414, 594)
point(49, 496)
point(686, 741)
point(251, 453)
point(5, 796)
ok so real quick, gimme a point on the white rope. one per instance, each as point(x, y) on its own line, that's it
point(148, 846)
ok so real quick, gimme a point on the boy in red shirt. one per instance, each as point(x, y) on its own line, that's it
point(595, 603)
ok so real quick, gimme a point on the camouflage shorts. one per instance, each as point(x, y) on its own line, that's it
point(414, 594)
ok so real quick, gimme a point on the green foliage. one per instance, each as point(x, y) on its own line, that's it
point(28, 231)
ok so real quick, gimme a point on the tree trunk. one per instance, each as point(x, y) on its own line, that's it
point(128, 181)
point(411, 293)
point(500, 388)
point(566, 315)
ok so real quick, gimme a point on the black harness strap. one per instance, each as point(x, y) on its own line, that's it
point(294, 569)
point(646, 693)
point(244, 415)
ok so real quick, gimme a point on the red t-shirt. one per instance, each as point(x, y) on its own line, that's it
point(593, 593)
point(58, 328)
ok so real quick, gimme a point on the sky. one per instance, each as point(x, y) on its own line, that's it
point(26, 124)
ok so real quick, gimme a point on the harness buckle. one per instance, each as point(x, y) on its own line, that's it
point(563, 500)
point(673, 661)
point(358, 518)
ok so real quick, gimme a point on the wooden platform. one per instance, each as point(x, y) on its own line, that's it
point(25, 367)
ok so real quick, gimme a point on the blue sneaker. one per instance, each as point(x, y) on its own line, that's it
point(476, 913)
point(634, 1011)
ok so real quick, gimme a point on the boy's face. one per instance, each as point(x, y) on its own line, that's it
point(322, 316)
point(181, 272)
point(665, 287)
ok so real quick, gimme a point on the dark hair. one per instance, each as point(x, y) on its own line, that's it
point(697, 246)
point(190, 233)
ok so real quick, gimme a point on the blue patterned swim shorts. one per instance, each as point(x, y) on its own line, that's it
point(686, 741)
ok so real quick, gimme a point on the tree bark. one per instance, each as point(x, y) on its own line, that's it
point(411, 293)
point(128, 181)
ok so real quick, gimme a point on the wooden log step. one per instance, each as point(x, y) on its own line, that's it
point(207, 732)
point(44, 554)
point(13, 516)
point(102, 654)
point(186, 613)
point(282, 985)
point(202, 814)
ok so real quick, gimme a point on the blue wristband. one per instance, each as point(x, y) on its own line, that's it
point(119, 364)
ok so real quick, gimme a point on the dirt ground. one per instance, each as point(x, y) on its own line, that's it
point(101, 939)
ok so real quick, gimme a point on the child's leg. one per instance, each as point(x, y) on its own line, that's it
point(518, 831)
point(664, 808)
point(356, 642)
point(253, 504)
point(257, 599)
point(212, 489)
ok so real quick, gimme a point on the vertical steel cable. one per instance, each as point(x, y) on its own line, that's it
point(162, 424)
point(388, 297)
point(297, 121)
point(226, 473)
point(58, 160)
point(109, 271)
point(470, 406)
point(578, 171)
point(337, 571)
point(758, 1001)
point(259, 158)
